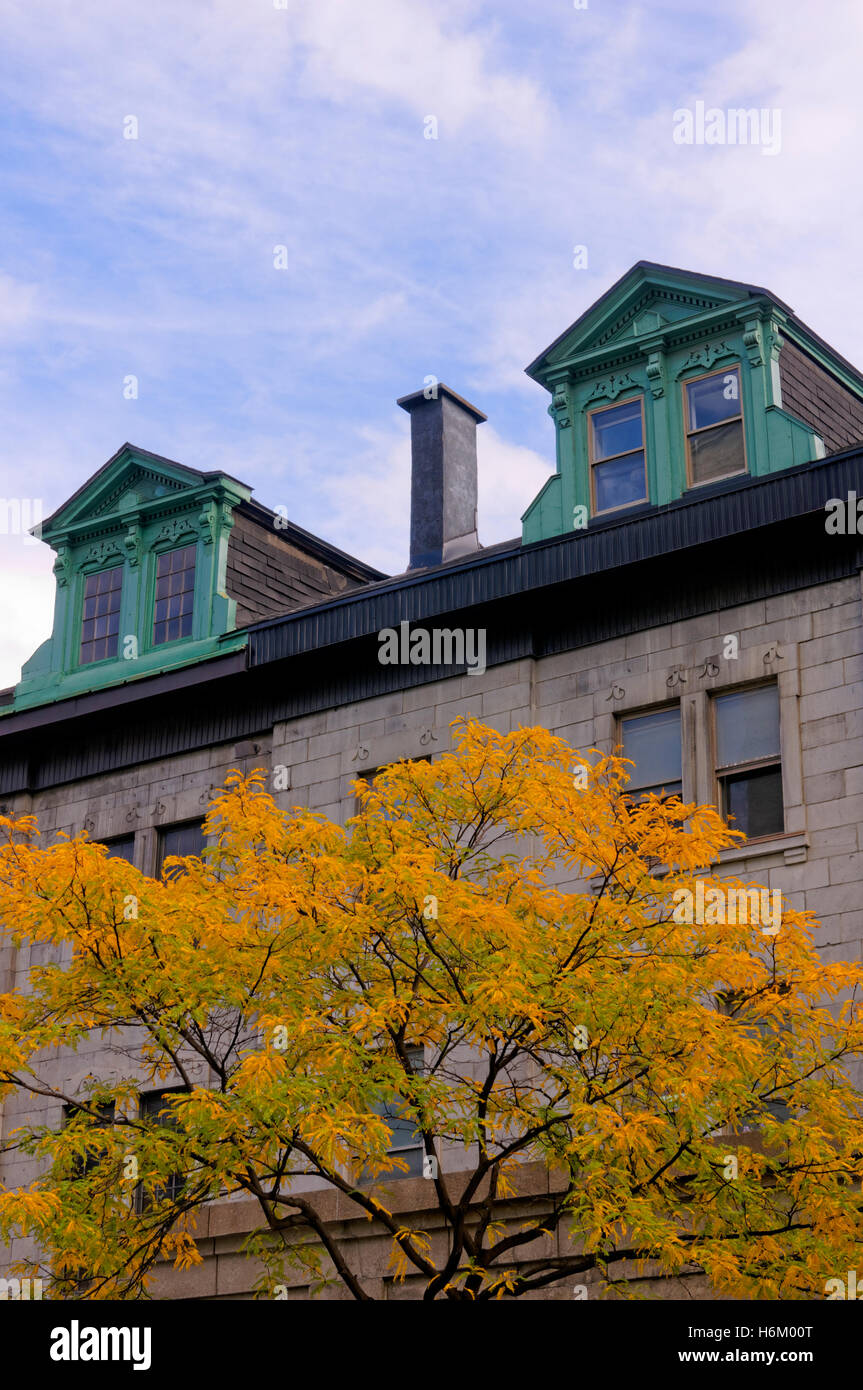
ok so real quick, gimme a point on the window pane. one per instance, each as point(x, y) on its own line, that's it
point(155, 1107)
point(747, 725)
point(405, 1140)
point(754, 800)
point(617, 431)
point(717, 453)
point(620, 483)
point(174, 603)
point(713, 399)
point(180, 839)
point(83, 1164)
point(100, 617)
point(122, 847)
point(653, 743)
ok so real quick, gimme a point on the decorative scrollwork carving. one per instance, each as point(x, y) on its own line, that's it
point(173, 530)
point(708, 354)
point(709, 669)
point(102, 551)
point(610, 387)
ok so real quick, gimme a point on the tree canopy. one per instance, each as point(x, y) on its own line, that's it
point(490, 959)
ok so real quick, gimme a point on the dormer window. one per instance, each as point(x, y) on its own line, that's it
point(175, 595)
point(100, 618)
point(616, 441)
point(714, 427)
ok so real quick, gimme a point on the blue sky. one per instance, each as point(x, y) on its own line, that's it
point(304, 126)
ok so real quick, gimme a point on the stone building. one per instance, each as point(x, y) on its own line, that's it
point(681, 585)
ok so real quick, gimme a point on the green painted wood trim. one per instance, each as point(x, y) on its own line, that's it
point(655, 366)
point(199, 514)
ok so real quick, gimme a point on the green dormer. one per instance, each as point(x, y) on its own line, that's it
point(673, 383)
point(141, 556)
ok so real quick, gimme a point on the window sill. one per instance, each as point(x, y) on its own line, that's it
point(794, 846)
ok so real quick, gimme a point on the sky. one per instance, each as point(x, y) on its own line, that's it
point(428, 170)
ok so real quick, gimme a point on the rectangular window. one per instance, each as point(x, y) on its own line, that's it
point(121, 847)
point(175, 595)
point(774, 1106)
point(616, 442)
point(375, 772)
point(85, 1163)
point(180, 839)
point(100, 618)
point(155, 1111)
point(748, 763)
point(407, 1142)
point(714, 426)
point(652, 741)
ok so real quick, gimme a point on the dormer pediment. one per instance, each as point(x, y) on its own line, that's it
point(646, 301)
point(131, 480)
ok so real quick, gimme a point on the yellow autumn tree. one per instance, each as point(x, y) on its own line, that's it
point(493, 963)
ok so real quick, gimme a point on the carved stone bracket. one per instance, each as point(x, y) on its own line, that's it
point(132, 544)
point(617, 693)
point(774, 653)
point(362, 753)
point(559, 408)
point(753, 342)
point(206, 795)
point(655, 375)
point(61, 566)
point(676, 676)
point(427, 736)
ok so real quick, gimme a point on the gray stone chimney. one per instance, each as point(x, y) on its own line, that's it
point(443, 475)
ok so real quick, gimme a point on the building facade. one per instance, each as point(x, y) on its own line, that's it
point(686, 584)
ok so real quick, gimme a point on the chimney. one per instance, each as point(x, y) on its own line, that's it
point(443, 475)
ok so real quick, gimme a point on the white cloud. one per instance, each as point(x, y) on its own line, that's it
point(27, 574)
point(510, 476)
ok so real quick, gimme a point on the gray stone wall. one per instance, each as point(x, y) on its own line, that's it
point(809, 641)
